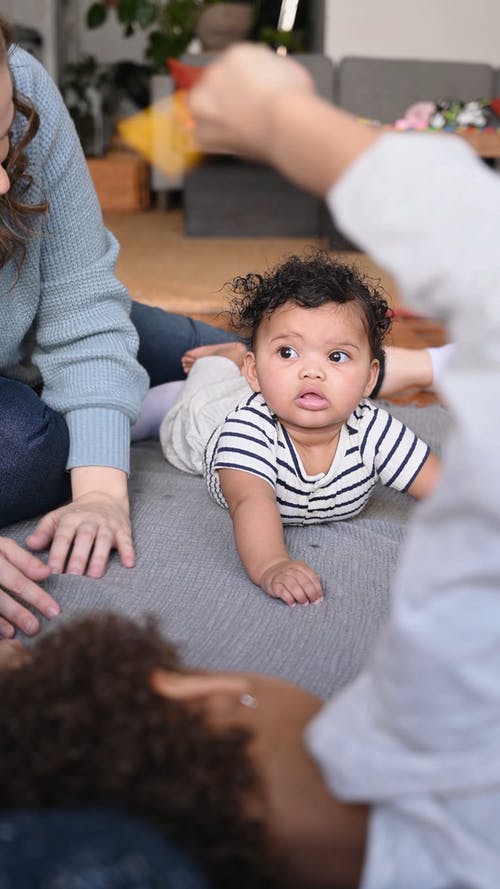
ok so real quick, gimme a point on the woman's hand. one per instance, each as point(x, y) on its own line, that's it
point(82, 534)
point(21, 573)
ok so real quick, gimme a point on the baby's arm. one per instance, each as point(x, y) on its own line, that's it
point(258, 533)
point(426, 479)
point(403, 461)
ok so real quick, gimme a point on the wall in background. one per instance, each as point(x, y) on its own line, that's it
point(40, 15)
point(107, 43)
point(454, 30)
point(429, 29)
point(432, 29)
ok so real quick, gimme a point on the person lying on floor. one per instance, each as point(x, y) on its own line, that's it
point(100, 712)
point(304, 444)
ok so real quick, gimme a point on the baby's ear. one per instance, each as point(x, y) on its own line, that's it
point(372, 377)
point(249, 371)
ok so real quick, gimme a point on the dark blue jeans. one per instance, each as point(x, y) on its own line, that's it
point(165, 336)
point(88, 849)
point(34, 438)
point(34, 446)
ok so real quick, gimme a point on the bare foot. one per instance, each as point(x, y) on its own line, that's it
point(406, 368)
point(235, 351)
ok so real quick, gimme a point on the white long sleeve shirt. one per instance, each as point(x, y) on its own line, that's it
point(417, 735)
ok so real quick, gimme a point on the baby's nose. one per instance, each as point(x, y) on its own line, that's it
point(313, 370)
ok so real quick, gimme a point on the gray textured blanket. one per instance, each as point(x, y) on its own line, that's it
point(189, 576)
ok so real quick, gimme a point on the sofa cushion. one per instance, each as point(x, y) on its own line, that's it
point(382, 89)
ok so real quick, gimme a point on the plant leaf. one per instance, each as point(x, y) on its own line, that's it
point(147, 13)
point(127, 11)
point(96, 15)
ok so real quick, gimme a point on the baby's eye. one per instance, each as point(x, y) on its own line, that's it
point(338, 357)
point(287, 352)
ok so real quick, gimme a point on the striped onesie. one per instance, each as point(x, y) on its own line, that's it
point(373, 445)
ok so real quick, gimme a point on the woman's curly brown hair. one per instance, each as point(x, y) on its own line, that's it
point(309, 281)
point(80, 724)
point(15, 211)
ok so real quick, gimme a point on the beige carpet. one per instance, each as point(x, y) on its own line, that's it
point(162, 267)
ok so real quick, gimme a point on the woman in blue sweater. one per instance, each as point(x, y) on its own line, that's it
point(70, 384)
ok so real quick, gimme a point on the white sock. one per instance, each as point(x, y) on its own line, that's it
point(440, 356)
point(156, 403)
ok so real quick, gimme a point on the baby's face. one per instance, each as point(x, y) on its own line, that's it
point(313, 366)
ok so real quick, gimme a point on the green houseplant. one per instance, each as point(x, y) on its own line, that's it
point(171, 23)
point(90, 94)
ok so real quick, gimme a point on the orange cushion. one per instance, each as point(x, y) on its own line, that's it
point(495, 105)
point(185, 76)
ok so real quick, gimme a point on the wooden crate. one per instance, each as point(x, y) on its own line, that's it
point(121, 180)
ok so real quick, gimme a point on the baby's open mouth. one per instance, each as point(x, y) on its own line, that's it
point(312, 401)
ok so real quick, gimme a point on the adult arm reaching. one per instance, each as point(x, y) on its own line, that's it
point(418, 733)
point(255, 103)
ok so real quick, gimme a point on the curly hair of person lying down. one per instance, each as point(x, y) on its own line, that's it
point(80, 724)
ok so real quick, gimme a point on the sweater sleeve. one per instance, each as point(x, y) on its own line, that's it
point(417, 735)
point(85, 342)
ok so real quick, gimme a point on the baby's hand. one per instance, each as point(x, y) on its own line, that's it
point(293, 582)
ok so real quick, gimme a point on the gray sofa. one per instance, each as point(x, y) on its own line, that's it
point(189, 577)
point(228, 197)
point(382, 89)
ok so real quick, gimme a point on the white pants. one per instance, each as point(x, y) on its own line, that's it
point(213, 388)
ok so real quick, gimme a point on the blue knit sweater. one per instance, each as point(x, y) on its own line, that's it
point(66, 317)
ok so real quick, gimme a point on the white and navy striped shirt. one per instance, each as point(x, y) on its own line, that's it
point(372, 445)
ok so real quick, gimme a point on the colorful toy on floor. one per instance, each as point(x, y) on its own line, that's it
point(416, 117)
point(446, 114)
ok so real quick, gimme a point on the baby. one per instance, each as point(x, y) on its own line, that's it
point(304, 444)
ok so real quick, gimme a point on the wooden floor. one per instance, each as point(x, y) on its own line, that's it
point(162, 267)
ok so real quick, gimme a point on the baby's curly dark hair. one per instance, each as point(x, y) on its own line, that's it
point(81, 725)
point(309, 281)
